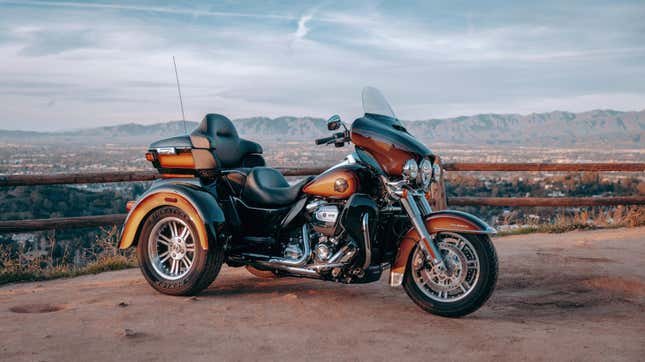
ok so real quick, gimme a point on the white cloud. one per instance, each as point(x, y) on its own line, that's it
point(101, 66)
point(139, 8)
point(302, 30)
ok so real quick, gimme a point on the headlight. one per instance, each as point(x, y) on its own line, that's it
point(426, 172)
point(410, 170)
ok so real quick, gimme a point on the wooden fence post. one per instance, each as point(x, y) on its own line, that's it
point(438, 190)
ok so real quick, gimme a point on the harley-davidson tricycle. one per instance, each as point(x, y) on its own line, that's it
point(217, 203)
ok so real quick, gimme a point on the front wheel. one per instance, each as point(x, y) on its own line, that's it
point(170, 254)
point(466, 285)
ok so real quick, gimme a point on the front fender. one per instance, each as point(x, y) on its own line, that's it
point(445, 220)
point(200, 206)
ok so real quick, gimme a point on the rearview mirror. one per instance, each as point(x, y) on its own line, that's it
point(333, 123)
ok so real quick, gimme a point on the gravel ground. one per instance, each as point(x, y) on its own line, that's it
point(575, 296)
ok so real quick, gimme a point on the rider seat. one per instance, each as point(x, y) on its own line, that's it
point(266, 187)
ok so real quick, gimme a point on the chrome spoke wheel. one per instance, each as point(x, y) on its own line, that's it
point(461, 276)
point(171, 248)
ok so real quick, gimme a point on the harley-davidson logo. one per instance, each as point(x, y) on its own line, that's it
point(340, 185)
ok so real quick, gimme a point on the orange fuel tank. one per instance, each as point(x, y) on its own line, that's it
point(338, 183)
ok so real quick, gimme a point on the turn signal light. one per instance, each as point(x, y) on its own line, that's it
point(129, 205)
point(149, 156)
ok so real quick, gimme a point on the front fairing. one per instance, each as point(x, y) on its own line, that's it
point(388, 142)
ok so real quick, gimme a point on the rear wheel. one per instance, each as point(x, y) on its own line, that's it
point(171, 256)
point(465, 286)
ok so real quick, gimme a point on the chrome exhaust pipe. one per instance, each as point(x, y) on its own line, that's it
point(301, 261)
point(305, 254)
point(338, 260)
point(287, 268)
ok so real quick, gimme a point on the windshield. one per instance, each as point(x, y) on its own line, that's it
point(375, 103)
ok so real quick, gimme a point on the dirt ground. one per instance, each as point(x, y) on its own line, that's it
point(575, 296)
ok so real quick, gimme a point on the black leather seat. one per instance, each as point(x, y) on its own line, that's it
point(216, 132)
point(266, 187)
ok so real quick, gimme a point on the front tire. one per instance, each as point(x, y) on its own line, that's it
point(473, 263)
point(171, 256)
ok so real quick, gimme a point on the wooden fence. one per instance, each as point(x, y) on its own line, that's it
point(438, 190)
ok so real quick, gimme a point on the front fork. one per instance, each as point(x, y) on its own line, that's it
point(417, 207)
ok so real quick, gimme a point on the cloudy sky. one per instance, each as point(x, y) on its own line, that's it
point(80, 64)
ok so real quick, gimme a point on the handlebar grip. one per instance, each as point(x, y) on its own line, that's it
point(324, 140)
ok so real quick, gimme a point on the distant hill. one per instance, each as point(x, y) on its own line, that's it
point(552, 128)
point(537, 129)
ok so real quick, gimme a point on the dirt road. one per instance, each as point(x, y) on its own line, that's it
point(576, 296)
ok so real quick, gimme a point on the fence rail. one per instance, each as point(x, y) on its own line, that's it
point(542, 167)
point(17, 226)
point(116, 176)
point(132, 176)
point(546, 201)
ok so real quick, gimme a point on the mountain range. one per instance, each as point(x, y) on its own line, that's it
point(556, 128)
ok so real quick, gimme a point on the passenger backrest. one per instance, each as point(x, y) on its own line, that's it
point(216, 132)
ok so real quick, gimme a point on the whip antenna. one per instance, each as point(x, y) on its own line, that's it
point(181, 102)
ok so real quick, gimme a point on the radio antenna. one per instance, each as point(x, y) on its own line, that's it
point(181, 102)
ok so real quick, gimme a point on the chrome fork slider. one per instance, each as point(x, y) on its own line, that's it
point(425, 205)
point(427, 244)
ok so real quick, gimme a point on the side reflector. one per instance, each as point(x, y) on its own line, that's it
point(170, 199)
point(129, 205)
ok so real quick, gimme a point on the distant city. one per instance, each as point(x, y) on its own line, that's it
point(600, 136)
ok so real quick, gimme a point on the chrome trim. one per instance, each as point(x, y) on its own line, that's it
point(410, 206)
point(336, 257)
point(177, 248)
point(392, 209)
point(465, 270)
point(314, 205)
point(425, 206)
point(226, 172)
point(305, 254)
point(368, 242)
point(338, 260)
point(274, 262)
point(410, 170)
point(325, 266)
point(288, 268)
point(166, 151)
point(425, 174)
point(349, 160)
point(396, 279)
point(489, 230)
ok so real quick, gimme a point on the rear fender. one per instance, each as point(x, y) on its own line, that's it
point(445, 220)
point(200, 206)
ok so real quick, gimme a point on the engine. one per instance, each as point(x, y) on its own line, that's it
point(322, 247)
point(324, 218)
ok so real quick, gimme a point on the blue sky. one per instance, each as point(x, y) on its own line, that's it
point(80, 64)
